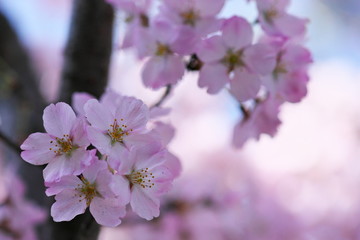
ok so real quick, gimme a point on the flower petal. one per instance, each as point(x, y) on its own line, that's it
point(67, 206)
point(209, 7)
point(37, 149)
point(244, 85)
point(161, 71)
point(107, 211)
point(78, 101)
point(58, 119)
point(98, 115)
point(145, 205)
point(237, 33)
point(260, 58)
point(66, 182)
point(214, 77)
point(211, 49)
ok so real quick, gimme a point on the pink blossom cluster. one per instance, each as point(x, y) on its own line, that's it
point(18, 216)
point(111, 153)
point(261, 72)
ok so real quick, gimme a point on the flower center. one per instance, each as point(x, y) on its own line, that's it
point(117, 131)
point(63, 145)
point(279, 69)
point(233, 60)
point(142, 177)
point(86, 191)
point(270, 14)
point(162, 50)
point(190, 17)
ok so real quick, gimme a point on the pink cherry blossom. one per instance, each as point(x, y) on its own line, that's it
point(149, 174)
point(263, 119)
point(165, 66)
point(92, 189)
point(289, 78)
point(118, 125)
point(195, 19)
point(276, 21)
point(231, 58)
point(64, 145)
point(18, 216)
point(137, 19)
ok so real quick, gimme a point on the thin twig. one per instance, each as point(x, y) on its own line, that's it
point(10, 143)
point(163, 97)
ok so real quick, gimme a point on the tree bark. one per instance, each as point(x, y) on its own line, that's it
point(88, 49)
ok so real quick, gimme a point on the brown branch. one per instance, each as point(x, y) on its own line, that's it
point(163, 97)
point(10, 143)
point(88, 50)
point(86, 65)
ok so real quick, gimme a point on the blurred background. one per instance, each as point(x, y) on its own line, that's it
point(301, 184)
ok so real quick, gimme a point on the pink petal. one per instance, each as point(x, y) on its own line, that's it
point(66, 182)
point(163, 31)
point(63, 165)
point(91, 172)
point(187, 41)
point(134, 113)
point(99, 139)
point(156, 112)
point(293, 87)
point(67, 206)
point(165, 132)
point(260, 58)
point(296, 57)
point(107, 211)
point(78, 101)
point(37, 149)
point(290, 25)
point(161, 71)
point(244, 85)
point(120, 186)
point(58, 119)
point(209, 7)
point(242, 132)
point(211, 49)
point(146, 206)
point(178, 6)
point(236, 33)
point(98, 115)
point(79, 134)
point(213, 77)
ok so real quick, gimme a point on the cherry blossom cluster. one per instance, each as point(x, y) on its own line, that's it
point(18, 217)
point(110, 153)
point(260, 73)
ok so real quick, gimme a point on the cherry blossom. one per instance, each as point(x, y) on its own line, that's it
point(289, 78)
point(92, 189)
point(149, 173)
point(194, 19)
point(276, 21)
point(64, 145)
point(116, 126)
point(263, 119)
point(231, 58)
point(165, 66)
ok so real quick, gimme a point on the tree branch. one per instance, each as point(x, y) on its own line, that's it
point(86, 65)
point(88, 49)
point(10, 143)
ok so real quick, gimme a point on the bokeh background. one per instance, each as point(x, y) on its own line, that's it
point(301, 184)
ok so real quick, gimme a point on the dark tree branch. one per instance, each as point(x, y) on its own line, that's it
point(88, 49)
point(10, 143)
point(163, 97)
point(86, 65)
